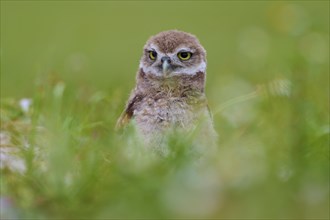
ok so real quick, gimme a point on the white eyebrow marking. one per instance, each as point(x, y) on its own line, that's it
point(154, 47)
point(185, 49)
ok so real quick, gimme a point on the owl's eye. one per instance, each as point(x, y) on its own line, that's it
point(184, 55)
point(152, 55)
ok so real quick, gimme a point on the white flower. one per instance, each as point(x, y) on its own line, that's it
point(25, 104)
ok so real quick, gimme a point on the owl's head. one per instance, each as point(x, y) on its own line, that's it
point(172, 53)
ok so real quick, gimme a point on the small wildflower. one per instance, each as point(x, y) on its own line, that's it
point(25, 104)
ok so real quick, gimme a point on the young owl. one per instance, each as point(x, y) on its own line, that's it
point(169, 96)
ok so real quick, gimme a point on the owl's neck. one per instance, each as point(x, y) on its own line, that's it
point(179, 85)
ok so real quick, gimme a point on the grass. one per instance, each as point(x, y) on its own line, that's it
point(77, 166)
point(62, 90)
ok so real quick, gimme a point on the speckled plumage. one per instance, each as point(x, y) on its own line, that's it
point(163, 102)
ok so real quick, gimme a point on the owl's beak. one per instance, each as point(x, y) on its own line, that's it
point(166, 64)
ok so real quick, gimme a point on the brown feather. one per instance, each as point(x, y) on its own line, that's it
point(127, 114)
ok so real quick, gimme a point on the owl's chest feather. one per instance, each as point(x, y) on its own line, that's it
point(169, 102)
point(168, 111)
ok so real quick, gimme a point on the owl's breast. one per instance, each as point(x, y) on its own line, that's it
point(159, 114)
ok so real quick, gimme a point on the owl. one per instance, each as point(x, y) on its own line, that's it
point(169, 96)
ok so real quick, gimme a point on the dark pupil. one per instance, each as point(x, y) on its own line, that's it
point(184, 54)
point(154, 54)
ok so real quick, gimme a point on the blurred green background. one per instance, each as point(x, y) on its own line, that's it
point(100, 43)
point(267, 84)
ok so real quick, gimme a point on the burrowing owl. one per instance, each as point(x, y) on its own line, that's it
point(169, 95)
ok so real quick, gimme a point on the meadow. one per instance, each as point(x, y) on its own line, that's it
point(67, 68)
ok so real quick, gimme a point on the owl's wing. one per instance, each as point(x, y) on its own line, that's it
point(127, 114)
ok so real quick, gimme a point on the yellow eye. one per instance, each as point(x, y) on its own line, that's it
point(152, 55)
point(184, 55)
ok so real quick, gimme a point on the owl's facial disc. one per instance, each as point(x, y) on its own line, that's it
point(183, 60)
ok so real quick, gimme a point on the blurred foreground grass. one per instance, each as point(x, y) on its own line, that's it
point(66, 70)
point(61, 158)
